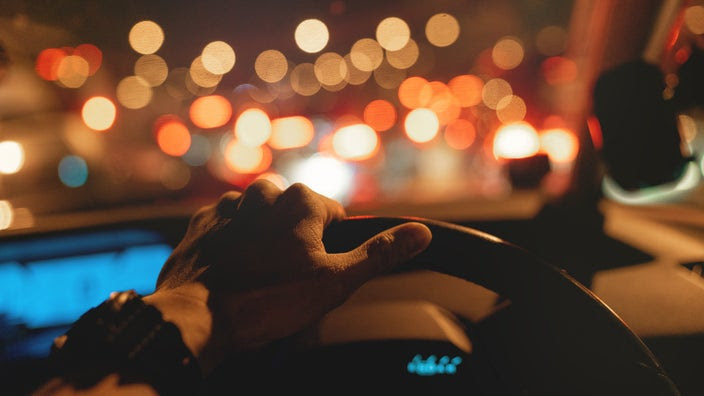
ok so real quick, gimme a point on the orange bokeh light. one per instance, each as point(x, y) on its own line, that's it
point(173, 137)
point(460, 134)
point(443, 103)
point(380, 115)
point(245, 159)
point(99, 113)
point(290, 132)
point(48, 61)
point(414, 92)
point(210, 111)
point(560, 145)
point(467, 89)
point(92, 55)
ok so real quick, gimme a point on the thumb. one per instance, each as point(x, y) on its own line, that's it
point(382, 252)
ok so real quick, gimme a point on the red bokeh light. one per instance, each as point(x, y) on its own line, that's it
point(92, 55)
point(47, 64)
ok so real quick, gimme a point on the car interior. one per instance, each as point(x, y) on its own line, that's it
point(553, 147)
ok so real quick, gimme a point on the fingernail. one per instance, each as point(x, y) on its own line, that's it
point(415, 238)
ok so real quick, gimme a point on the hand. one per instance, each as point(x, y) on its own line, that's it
point(252, 268)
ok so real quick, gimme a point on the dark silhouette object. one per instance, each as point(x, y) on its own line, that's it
point(642, 145)
point(689, 92)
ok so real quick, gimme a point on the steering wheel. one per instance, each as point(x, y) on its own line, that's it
point(571, 342)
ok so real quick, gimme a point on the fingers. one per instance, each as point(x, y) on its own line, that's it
point(380, 253)
point(306, 203)
point(258, 195)
point(227, 204)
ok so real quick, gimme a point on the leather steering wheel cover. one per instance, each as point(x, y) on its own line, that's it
point(593, 346)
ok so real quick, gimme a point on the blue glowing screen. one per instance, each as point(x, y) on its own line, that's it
point(433, 365)
point(51, 282)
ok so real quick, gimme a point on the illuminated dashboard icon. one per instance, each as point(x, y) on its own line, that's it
point(433, 366)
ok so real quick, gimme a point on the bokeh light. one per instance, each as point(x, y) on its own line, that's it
point(253, 128)
point(47, 64)
point(694, 19)
point(271, 66)
point(421, 125)
point(218, 57)
point(202, 76)
point(494, 90)
point(146, 37)
point(11, 157)
point(330, 69)
point(354, 75)
point(404, 57)
point(311, 35)
point(551, 40)
point(152, 68)
point(6, 214)
point(366, 54)
point(560, 145)
point(467, 88)
point(303, 80)
point(380, 115)
point(99, 113)
point(442, 30)
point(518, 140)
point(355, 142)
point(507, 53)
point(511, 109)
point(443, 103)
point(73, 171)
point(92, 54)
point(134, 92)
point(291, 132)
point(460, 134)
point(393, 33)
point(335, 88)
point(199, 152)
point(173, 137)
point(210, 111)
point(242, 158)
point(414, 92)
point(325, 175)
point(559, 70)
point(73, 71)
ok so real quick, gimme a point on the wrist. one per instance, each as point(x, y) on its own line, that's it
point(186, 306)
point(125, 335)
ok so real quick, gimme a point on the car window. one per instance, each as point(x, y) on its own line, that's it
point(375, 104)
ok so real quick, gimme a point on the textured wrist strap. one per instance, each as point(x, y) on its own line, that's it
point(127, 336)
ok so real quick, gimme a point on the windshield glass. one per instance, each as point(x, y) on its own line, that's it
point(371, 103)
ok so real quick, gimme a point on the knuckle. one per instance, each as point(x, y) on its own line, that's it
point(227, 204)
point(299, 198)
point(299, 190)
point(260, 185)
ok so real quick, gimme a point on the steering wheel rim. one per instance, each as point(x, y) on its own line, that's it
point(593, 347)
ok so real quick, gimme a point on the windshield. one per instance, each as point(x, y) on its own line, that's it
point(375, 104)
